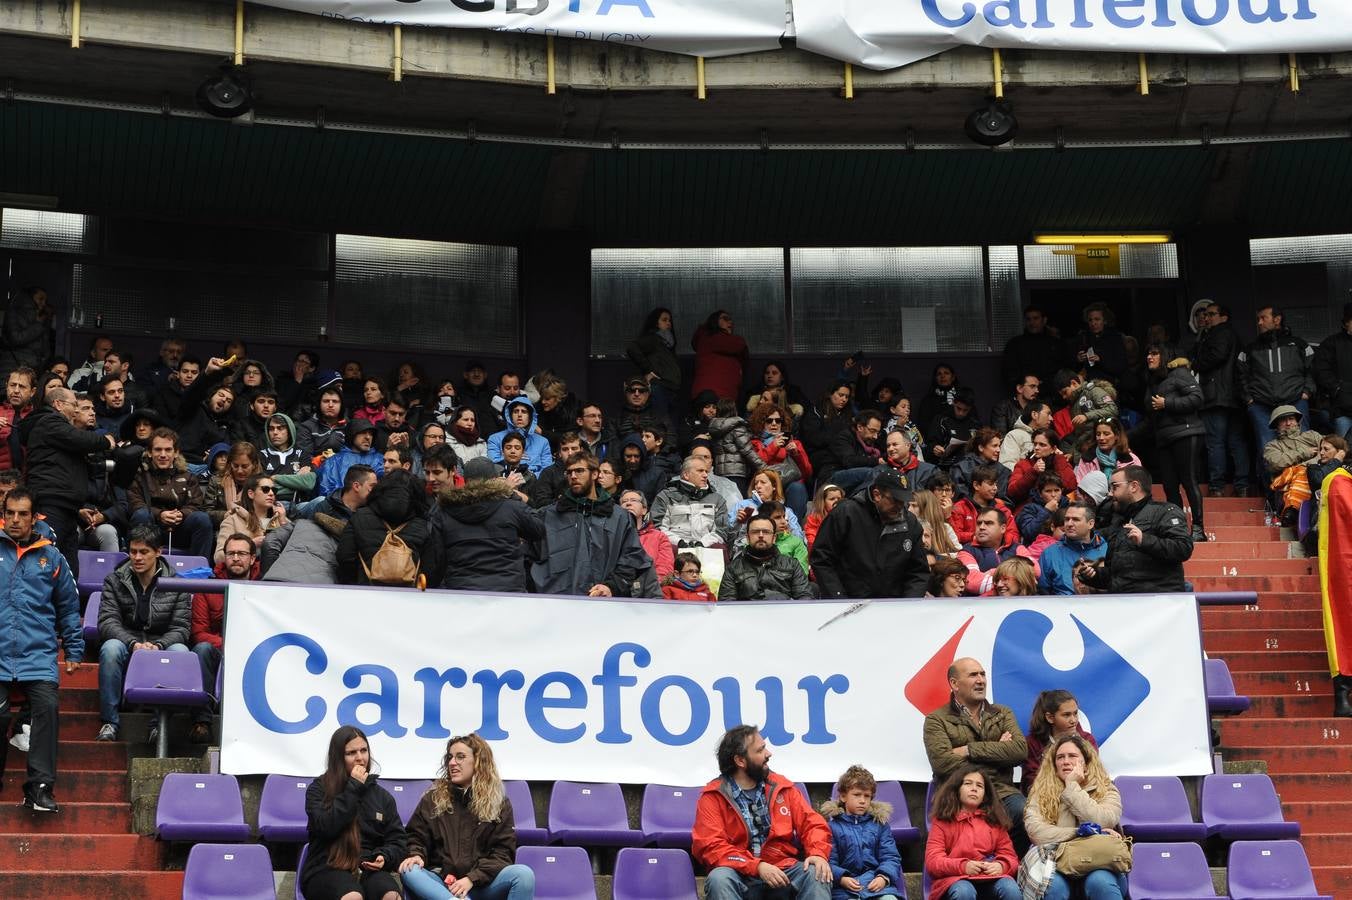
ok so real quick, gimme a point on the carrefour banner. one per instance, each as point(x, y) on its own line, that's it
point(640, 691)
point(884, 34)
point(696, 27)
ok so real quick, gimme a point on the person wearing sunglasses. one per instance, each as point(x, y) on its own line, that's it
point(256, 513)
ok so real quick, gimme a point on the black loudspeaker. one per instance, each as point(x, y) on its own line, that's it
point(993, 124)
point(228, 94)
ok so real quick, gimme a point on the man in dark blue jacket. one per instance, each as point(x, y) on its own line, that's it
point(38, 602)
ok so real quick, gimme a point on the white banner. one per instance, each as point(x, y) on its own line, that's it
point(885, 34)
point(640, 691)
point(695, 27)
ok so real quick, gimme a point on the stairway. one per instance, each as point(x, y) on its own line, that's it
point(1276, 656)
point(88, 848)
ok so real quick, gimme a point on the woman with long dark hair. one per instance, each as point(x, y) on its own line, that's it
point(1056, 713)
point(969, 854)
point(356, 836)
point(653, 353)
point(462, 836)
point(720, 357)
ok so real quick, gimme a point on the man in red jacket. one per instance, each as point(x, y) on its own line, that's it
point(750, 824)
point(208, 620)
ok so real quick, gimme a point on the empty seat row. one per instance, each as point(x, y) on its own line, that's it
point(1256, 870)
point(1233, 807)
point(1221, 699)
point(96, 565)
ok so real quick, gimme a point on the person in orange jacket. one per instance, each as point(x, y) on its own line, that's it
point(754, 829)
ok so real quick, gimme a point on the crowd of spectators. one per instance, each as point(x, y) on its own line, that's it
point(700, 491)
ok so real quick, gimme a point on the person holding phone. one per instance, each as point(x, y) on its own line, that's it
point(356, 836)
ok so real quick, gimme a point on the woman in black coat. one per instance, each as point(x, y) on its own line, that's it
point(398, 501)
point(1174, 402)
point(356, 836)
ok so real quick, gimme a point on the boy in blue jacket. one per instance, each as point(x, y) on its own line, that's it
point(864, 858)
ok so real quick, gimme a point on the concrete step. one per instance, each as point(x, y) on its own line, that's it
point(1253, 731)
point(1219, 618)
point(1261, 584)
point(1197, 568)
point(129, 885)
point(1221, 518)
point(1315, 683)
point(1228, 550)
point(82, 852)
point(75, 817)
point(1222, 641)
point(1328, 816)
point(85, 677)
point(1297, 706)
point(1335, 880)
point(1275, 660)
point(1296, 787)
point(88, 754)
point(1285, 758)
point(1224, 534)
point(1327, 849)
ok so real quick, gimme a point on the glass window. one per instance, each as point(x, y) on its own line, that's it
point(428, 295)
point(1006, 299)
point(40, 229)
point(692, 283)
point(1285, 251)
point(1047, 262)
point(885, 299)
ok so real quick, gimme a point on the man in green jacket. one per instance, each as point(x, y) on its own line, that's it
point(970, 729)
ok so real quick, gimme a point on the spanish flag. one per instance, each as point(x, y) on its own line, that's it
point(1335, 566)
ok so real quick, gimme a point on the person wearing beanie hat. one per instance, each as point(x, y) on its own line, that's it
point(485, 529)
point(361, 434)
point(1333, 374)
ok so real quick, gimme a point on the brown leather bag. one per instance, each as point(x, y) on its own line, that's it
point(394, 561)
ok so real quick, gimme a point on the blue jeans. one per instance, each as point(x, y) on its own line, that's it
point(1342, 425)
point(512, 883)
point(795, 497)
point(1099, 884)
point(195, 536)
point(1262, 432)
point(1004, 888)
point(1014, 805)
point(724, 883)
point(113, 656)
point(1225, 435)
point(210, 659)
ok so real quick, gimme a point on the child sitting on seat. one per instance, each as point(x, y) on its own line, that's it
point(864, 857)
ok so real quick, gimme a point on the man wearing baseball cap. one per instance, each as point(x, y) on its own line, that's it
point(871, 545)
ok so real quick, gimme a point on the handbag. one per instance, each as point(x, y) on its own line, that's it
point(787, 471)
point(1036, 870)
point(1081, 855)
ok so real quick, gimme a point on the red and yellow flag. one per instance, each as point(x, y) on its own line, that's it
point(1335, 568)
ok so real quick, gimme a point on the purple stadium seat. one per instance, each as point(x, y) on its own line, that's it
point(1156, 809)
point(281, 811)
point(94, 567)
point(647, 874)
point(1169, 872)
point(802, 789)
point(91, 620)
point(406, 794)
point(197, 807)
point(184, 563)
point(1221, 699)
point(590, 815)
point(1269, 869)
point(903, 832)
point(228, 872)
point(300, 867)
point(1306, 518)
point(668, 815)
point(1244, 808)
point(162, 679)
point(523, 810)
point(561, 873)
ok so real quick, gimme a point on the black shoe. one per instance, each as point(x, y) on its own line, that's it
point(1198, 534)
point(1290, 517)
point(1342, 696)
point(40, 799)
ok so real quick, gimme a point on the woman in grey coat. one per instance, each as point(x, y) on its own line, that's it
point(1174, 403)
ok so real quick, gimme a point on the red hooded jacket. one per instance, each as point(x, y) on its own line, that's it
point(720, 837)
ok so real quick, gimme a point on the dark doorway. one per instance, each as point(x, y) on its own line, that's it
point(1135, 306)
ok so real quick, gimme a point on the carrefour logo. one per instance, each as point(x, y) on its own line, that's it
point(1108, 687)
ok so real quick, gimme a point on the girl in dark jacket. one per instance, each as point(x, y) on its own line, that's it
point(399, 502)
point(356, 836)
point(1173, 402)
point(820, 423)
point(462, 836)
point(653, 353)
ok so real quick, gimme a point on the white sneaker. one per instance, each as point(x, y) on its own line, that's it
point(21, 739)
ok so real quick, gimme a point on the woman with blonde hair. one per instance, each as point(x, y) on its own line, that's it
point(1072, 789)
point(927, 508)
point(1015, 578)
point(764, 487)
point(462, 835)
